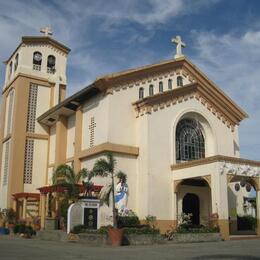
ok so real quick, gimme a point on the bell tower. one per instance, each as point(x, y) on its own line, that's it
point(35, 81)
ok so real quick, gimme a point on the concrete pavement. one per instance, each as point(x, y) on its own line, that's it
point(34, 249)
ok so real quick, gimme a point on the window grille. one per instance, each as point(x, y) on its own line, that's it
point(179, 81)
point(189, 141)
point(6, 163)
point(28, 161)
point(37, 60)
point(141, 93)
point(10, 112)
point(92, 131)
point(32, 106)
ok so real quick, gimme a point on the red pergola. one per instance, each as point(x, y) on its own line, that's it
point(26, 195)
point(60, 188)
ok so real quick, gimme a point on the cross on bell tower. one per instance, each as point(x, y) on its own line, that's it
point(46, 31)
point(179, 44)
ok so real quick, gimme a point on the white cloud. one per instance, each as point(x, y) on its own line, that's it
point(232, 62)
point(81, 24)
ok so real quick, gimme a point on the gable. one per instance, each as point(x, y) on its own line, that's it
point(209, 93)
point(195, 91)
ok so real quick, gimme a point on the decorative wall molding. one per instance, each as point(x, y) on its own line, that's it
point(214, 159)
point(109, 147)
point(183, 94)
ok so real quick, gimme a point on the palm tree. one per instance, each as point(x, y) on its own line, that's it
point(106, 168)
point(65, 175)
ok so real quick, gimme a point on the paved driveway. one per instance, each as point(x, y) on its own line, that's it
point(33, 249)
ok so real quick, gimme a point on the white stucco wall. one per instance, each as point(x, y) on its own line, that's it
point(96, 108)
point(70, 136)
point(43, 104)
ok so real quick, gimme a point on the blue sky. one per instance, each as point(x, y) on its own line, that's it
point(222, 38)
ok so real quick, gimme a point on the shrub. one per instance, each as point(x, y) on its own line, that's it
point(151, 221)
point(127, 221)
point(21, 228)
point(246, 222)
point(140, 231)
point(78, 229)
point(84, 229)
point(201, 229)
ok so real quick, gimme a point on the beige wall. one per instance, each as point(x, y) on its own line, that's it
point(39, 166)
point(71, 136)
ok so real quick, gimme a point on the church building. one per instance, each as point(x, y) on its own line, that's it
point(171, 130)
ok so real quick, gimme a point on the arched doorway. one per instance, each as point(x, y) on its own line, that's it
point(191, 205)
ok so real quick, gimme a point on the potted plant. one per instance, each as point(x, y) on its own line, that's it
point(2, 222)
point(106, 168)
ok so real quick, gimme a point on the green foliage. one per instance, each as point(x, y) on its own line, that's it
point(64, 209)
point(201, 229)
point(151, 221)
point(247, 222)
point(128, 221)
point(84, 229)
point(106, 168)
point(10, 215)
point(78, 229)
point(22, 228)
point(121, 176)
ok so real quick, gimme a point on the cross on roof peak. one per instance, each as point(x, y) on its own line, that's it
point(179, 44)
point(46, 31)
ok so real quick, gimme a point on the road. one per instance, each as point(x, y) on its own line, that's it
point(34, 249)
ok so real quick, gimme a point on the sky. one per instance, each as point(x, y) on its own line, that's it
point(222, 38)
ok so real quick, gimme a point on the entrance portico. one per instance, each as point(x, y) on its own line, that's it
point(217, 171)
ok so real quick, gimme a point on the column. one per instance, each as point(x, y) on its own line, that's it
point(24, 208)
point(175, 210)
point(258, 211)
point(14, 205)
point(78, 139)
point(61, 141)
point(47, 205)
point(43, 209)
point(219, 195)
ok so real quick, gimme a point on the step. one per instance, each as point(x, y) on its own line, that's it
point(244, 237)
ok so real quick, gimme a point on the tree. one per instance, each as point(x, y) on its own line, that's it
point(65, 175)
point(106, 168)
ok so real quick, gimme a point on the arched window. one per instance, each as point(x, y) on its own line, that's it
point(10, 69)
point(169, 84)
point(141, 93)
point(51, 64)
point(189, 141)
point(160, 86)
point(151, 92)
point(179, 81)
point(37, 60)
point(16, 62)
